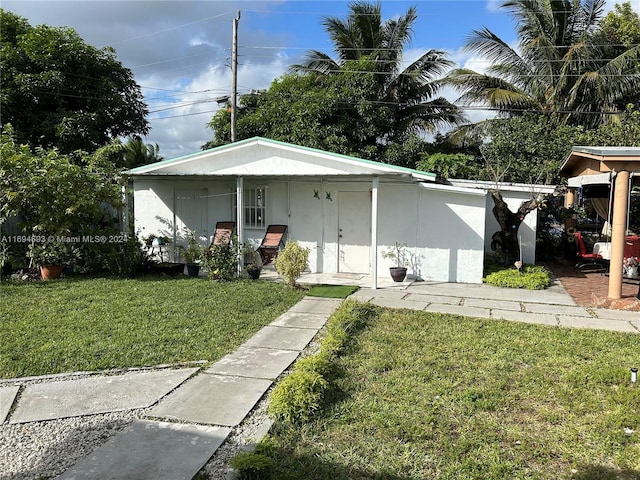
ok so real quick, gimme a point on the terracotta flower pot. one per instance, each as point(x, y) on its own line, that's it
point(50, 272)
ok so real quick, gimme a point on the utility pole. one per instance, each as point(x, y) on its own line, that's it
point(234, 76)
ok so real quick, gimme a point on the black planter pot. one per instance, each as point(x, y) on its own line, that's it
point(398, 273)
point(254, 272)
point(168, 268)
point(193, 269)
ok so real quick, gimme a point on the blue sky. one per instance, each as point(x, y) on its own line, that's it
point(179, 51)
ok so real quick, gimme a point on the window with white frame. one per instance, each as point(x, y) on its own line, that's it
point(255, 207)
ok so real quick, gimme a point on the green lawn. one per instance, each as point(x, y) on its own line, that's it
point(421, 396)
point(101, 323)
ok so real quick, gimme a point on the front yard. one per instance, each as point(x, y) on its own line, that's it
point(421, 395)
point(91, 324)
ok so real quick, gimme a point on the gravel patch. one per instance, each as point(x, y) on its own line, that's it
point(38, 450)
point(44, 450)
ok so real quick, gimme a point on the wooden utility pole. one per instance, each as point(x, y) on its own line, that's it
point(234, 77)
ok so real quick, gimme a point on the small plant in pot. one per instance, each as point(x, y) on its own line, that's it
point(51, 257)
point(252, 262)
point(192, 254)
point(397, 253)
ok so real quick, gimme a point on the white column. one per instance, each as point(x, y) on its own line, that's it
point(374, 233)
point(240, 220)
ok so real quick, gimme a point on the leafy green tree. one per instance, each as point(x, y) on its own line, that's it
point(450, 165)
point(335, 113)
point(407, 94)
point(57, 91)
point(560, 65)
point(621, 26)
point(50, 193)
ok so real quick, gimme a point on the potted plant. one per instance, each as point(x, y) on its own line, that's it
point(631, 265)
point(397, 253)
point(252, 262)
point(192, 255)
point(51, 257)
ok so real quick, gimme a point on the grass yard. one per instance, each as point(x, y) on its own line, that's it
point(101, 323)
point(331, 291)
point(421, 396)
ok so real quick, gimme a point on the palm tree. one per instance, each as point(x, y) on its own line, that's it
point(409, 92)
point(558, 66)
point(137, 153)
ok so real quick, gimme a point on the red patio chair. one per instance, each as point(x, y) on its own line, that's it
point(273, 240)
point(591, 261)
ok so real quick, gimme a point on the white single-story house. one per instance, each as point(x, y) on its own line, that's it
point(346, 210)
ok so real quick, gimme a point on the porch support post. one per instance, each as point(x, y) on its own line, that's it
point(374, 233)
point(240, 220)
point(618, 230)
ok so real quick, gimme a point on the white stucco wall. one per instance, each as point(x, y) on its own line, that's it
point(443, 229)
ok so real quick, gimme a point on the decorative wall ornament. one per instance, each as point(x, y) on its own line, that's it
point(328, 196)
point(316, 194)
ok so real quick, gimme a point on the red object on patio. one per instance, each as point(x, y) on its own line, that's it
point(587, 259)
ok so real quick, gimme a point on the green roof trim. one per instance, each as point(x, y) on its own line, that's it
point(397, 168)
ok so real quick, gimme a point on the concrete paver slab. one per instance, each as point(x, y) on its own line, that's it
point(151, 450)
point(617, 314)
point(281, 338)
point(7, 396)
point(556, 295)
point(100, 394)
point(597, 323)
point(254, 362)
point(213, 400)
point(635, 324)
point(399, 303)
point(430, 298)
point(316, 305)
point(300, 320)
point(493, 304)
point(556, 309)
point(459, 310)
point(535, 318)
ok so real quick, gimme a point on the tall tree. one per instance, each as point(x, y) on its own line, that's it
point(558, 66)
point(57, 91)
point(407, 93)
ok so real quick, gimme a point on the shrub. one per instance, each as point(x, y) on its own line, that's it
point(251, 465)
point(300, 395)
point(222, 262)
point(291, 262)
point(532, 278)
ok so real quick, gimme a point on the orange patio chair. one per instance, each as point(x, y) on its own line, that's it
point(223, 233)
point(273, 240)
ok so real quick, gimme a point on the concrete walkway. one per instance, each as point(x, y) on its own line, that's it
point(193, 410)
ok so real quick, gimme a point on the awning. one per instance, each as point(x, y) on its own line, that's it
point(596, 179)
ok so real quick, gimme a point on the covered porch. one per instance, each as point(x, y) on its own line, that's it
point(622, 166)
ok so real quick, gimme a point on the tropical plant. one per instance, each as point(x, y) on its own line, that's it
point(291, 261)
point(137, 153)
point(560, 65)
point(408, 93)
point(193, 252)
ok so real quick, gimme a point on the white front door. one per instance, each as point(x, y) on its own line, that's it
point(354, 231)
